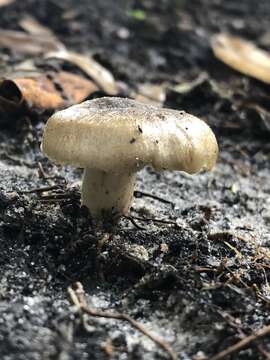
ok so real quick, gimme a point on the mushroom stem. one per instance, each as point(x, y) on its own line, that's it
point(107, 193)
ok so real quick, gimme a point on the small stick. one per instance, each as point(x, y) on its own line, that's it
point(78, 299)
point(40, 189)
point(53, 201)
point(43, 175)
point(242, 343)
point(162, 221)
point(41, 171)
point(56, 196)
point(232, 322)
point(204, 269)
point(16, 160)
point(130, 218)
point(139, 194)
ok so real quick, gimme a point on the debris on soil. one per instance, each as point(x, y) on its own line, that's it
point(44, 92)
point(151, 94)
point(242, 56)
point(191, 262)
point(265, 331)
point(89, 66)
point(78, 298)
point(30, 25)
point(19, 41)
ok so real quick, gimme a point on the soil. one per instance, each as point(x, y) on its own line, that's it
point(199, 278)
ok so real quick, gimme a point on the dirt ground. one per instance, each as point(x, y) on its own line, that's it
point(199, 277)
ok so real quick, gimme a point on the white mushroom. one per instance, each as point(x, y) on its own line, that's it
point(113, 138)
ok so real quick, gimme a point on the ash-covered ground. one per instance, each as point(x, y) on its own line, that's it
point(194, 269)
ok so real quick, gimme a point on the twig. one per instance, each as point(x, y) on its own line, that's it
point(200, 269)
point(41, 189)
point(232, 322)
point(130, 218)
point(47, 177)
point(242, 343)
point(235, 277)
point(41, 171)
point(139, 194)
point(56, 196)
point(162, 221)
point(53, 201)
point(78, 299)
point(16, 160)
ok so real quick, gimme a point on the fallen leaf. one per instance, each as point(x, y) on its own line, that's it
point(243, 56)
point(75, 87)
point(42, 92)
point(153, 91)
point(22, 69)
point(103, 77)
point(39, 92)
point(263, 113)
point(152, 94)
point(6, 2)
point(32, 26)
point(19, 41)
point(188, 86)
point(89, 66)
point(202, 81)
point(11, 100)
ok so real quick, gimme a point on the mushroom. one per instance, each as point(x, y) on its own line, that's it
point(113, 138)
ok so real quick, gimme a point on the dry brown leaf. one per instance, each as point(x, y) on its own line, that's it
point(41, 92)
point(75, 87)
point(10, 97)
point(243, 56)
point(41, 40)
point(6, 2)
point(28, 43)
point(88, 65)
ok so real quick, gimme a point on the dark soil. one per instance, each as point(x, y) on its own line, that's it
point(201, 280)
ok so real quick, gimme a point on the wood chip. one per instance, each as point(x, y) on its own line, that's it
point(89, 66)
point(242, 56)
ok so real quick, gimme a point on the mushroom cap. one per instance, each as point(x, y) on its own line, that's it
point(119, 134)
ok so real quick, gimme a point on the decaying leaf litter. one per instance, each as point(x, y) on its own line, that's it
point(191, 263)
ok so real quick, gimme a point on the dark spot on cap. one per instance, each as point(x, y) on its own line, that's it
point(132, 140)
point(140, 129)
